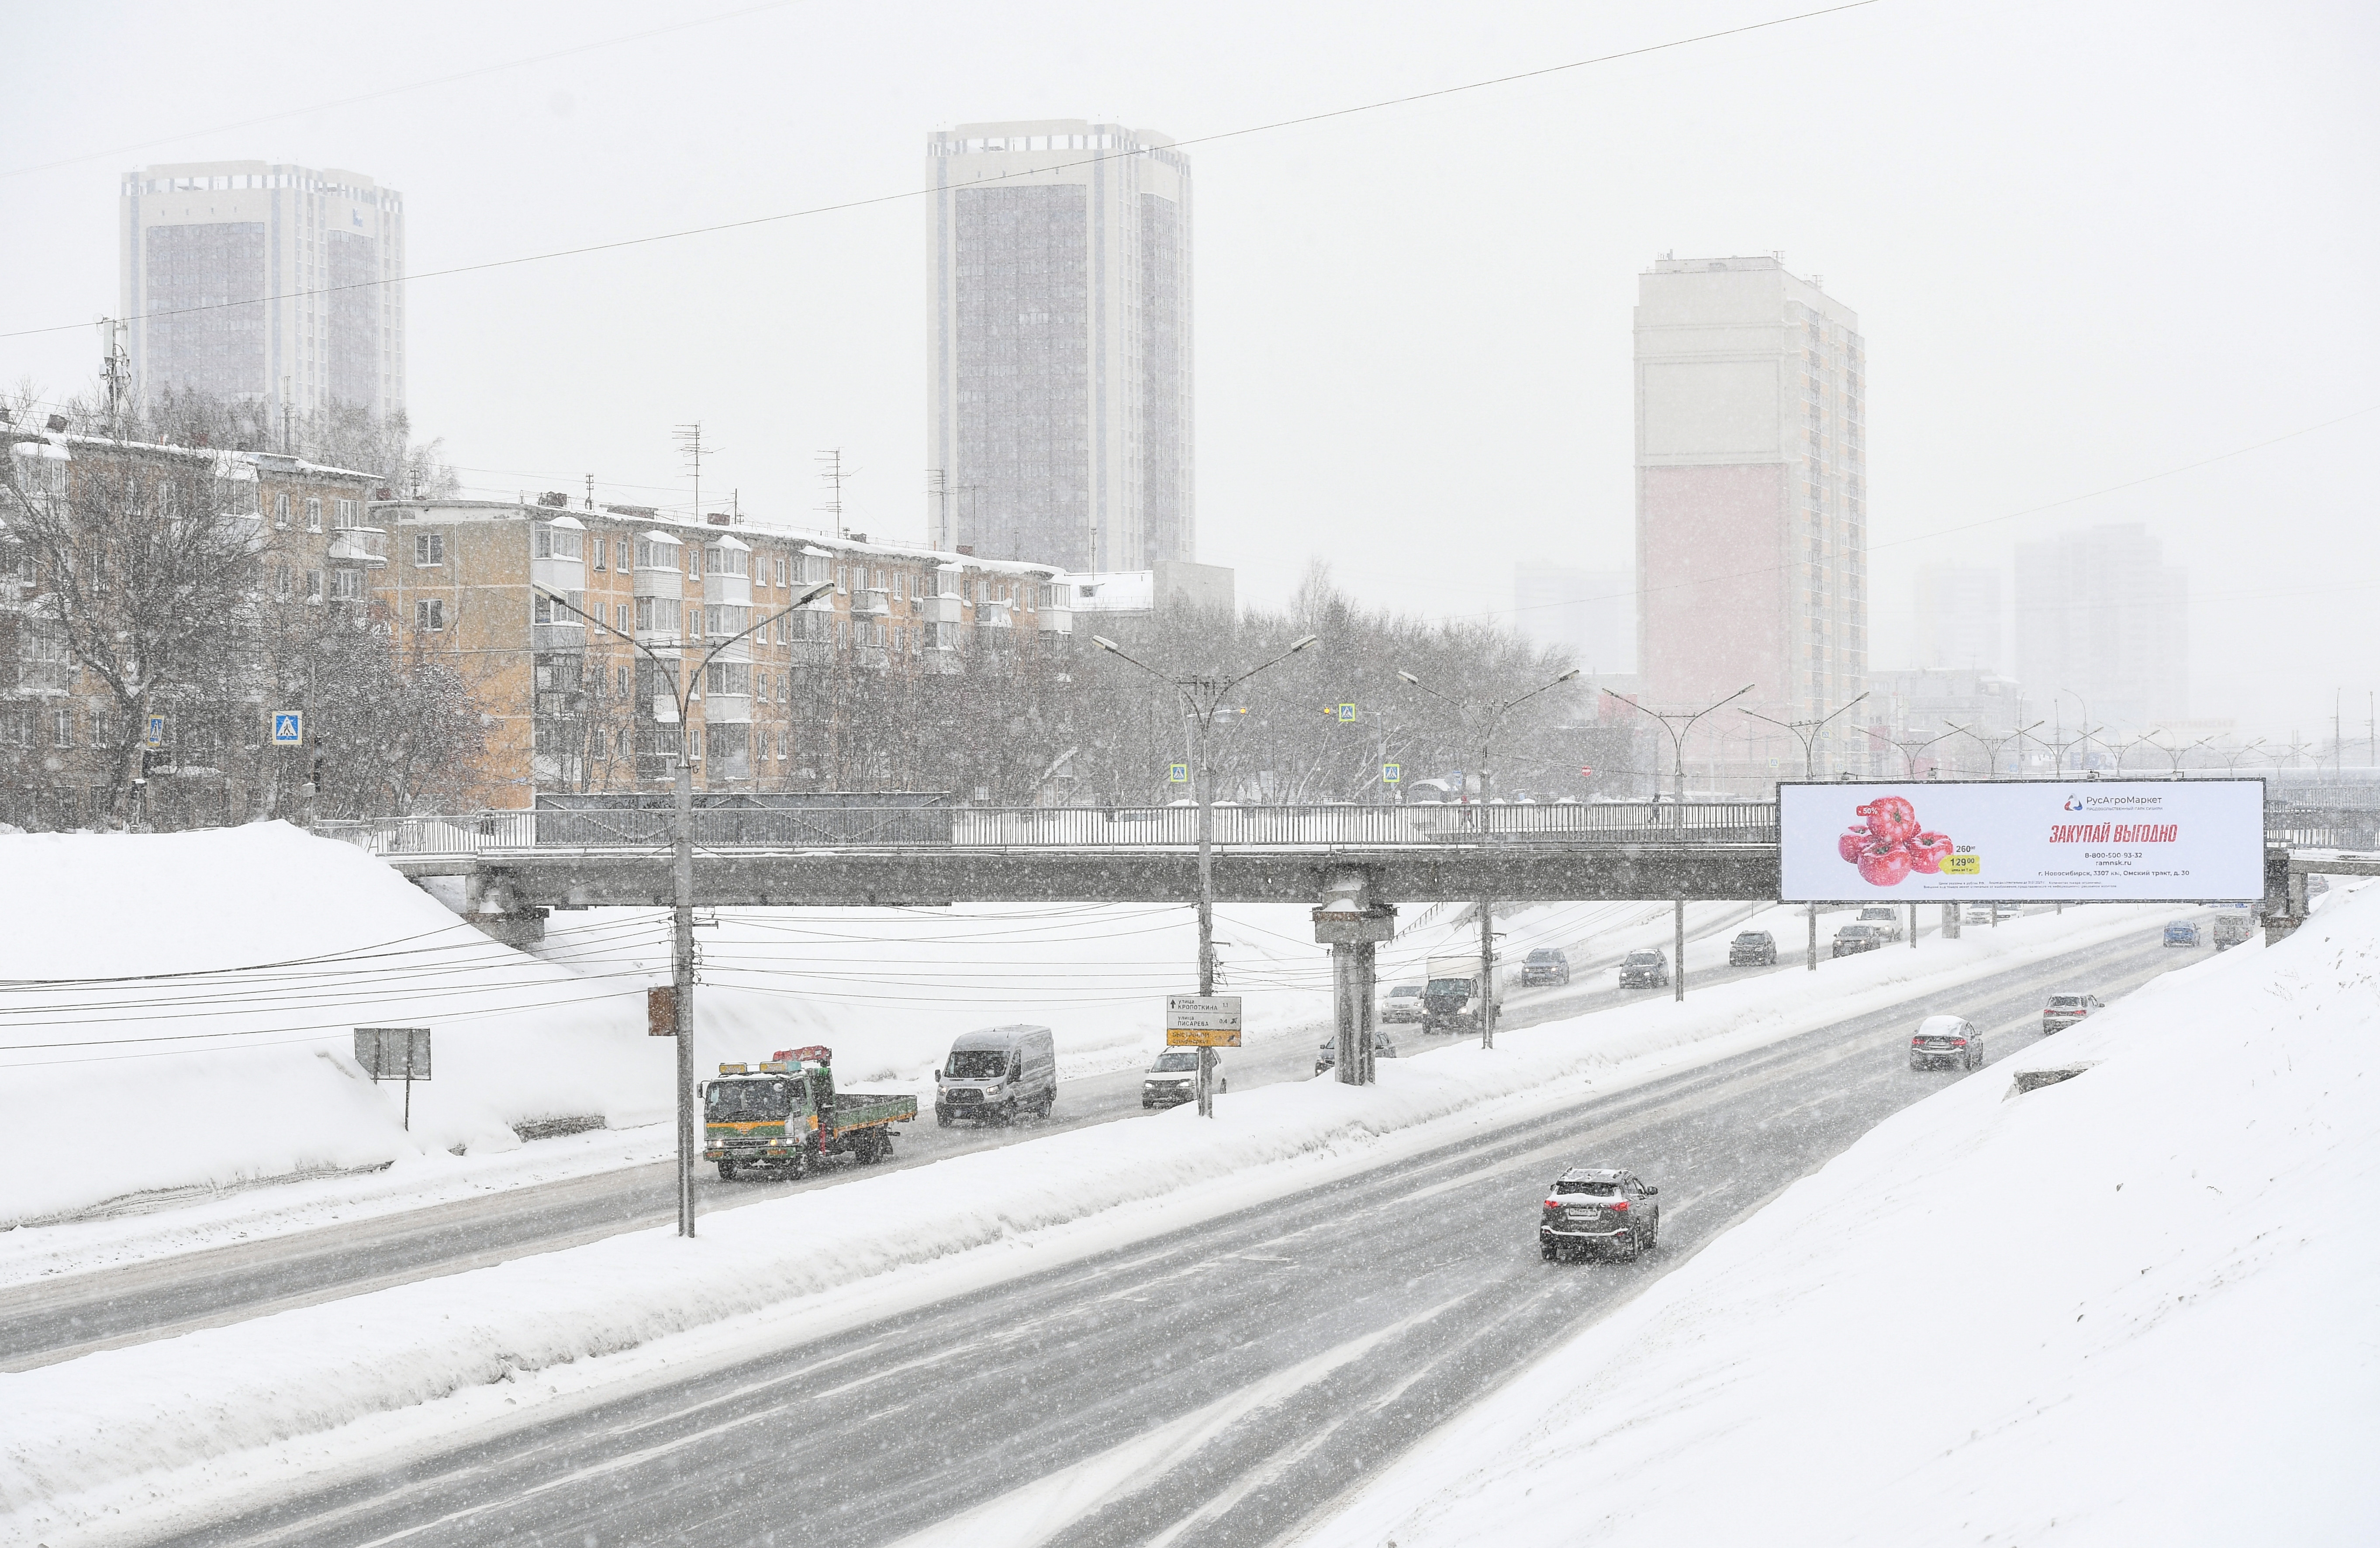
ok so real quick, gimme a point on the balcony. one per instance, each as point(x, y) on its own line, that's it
point(557, 637)
point(727, 709)
point(942, 609)
point(870, 602)
point(359, 545)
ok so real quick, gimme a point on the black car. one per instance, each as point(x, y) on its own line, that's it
point(1645, 970)
point(1593, 1208)
point(1545, 964)
point(1752, 948)
point(1852, 939)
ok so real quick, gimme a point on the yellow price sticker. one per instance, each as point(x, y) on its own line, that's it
point(1962, 865)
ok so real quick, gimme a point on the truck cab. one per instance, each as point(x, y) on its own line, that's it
point(786, 1113)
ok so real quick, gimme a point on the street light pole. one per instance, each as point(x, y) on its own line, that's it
point(1808, 732)
point(682, 874)
point(1486, 906)
point(1993, 744)
point(1677, 723)
point(1201, 698)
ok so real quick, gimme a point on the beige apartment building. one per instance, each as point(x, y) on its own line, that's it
point(575, 626)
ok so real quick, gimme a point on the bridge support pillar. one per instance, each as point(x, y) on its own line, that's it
point(1353, 925)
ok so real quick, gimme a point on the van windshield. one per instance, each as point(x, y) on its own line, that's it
point(1449, 988)
point(730, 1102)
point(976, 1064)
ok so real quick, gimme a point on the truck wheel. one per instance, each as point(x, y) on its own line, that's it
point(727, 1171)
point(1653, 1230)
point(941, 1119)
point(1547, 1251)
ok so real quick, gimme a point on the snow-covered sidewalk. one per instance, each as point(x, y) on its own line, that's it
point(2138, 1305)
point(166, 1426)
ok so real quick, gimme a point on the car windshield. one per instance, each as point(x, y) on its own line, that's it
point(1175, 1060)
point(976, 1064)
point(1542, 956)
point(1752, 938)
point(730, 1102)
point(1404, 991)
point(1642, 959)
point(1599, 1189)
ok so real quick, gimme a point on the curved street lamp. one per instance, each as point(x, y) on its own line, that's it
point(1677, 723)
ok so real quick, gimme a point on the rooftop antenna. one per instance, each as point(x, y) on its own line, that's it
point(938, 490)
point(832, 473)
point(689, 451)
point(590, 491)
point(116, 369)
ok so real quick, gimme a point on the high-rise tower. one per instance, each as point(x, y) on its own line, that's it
point(1058, 345)
point(1751, 492)
point(254, 280)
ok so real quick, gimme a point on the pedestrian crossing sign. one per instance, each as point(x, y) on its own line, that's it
point(153, 734)
point(1346, 712)
point(1392, 774)
point(1178, 774)
point(288, 728)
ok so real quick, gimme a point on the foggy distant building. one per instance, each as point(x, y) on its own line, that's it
point(1957, 616)
point(1590, 613)
point(1751, 493)
point(2101, 615)
point(1058, 345)
point(262, 282)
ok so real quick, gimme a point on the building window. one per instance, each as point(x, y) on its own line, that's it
point(781, 569)
point(429, 549)
point(347, 513)
point(730, 677)
point(313, 585)
point(430, 615)
point(347, 585)
point(313, 513)
point(281, 577)
point(602, 550)
point(842, 578)
point(62, 728)
point(281, 509)
point(627, 681)
point(620, 617)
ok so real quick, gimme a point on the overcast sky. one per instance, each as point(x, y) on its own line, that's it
point(2088, 244)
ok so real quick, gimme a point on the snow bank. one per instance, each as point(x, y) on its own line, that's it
point(2136, 1305)
point(75, 1437)
point(192, 999)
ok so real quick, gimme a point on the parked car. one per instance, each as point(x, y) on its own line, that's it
point(2232, 930)
point(1597, 1208)
point(1979, 913)
point(1884, 917)
point(1328, 1058)
point(1402, 1003)
point(1852, 939)
point(1645, 970)
point(1751, 948)
point(997, 1076)
point(1545, 964)
point(2182, 933)
point(2064, 1010)
point(1944, 1040)
point(1173, 1079)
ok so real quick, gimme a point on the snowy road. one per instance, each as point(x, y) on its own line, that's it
point(1213, 1386)
point(60, 1318)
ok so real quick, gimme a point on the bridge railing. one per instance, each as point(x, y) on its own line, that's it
point(1115, 827)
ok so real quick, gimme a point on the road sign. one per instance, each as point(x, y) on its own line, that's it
point(1392, 774)
point(394, 1054)
point(288, 728)
point(1178, 774)
point(660, 1011)
point(1202, 1020)
point(153, 734)
point(1346, 712)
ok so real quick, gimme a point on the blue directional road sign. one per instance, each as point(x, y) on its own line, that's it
point(288, 728)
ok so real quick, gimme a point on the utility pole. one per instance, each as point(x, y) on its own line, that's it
point(115, 369)
point(1486, 906)
point(1677, 723)
point(1808, 732)
point(1201, 696)
point(682, 873)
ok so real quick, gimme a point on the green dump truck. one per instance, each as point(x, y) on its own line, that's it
point(784, 1113)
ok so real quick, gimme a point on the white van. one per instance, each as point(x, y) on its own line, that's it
point(997, 1076)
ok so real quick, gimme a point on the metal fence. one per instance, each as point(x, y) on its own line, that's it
point(1117, 827)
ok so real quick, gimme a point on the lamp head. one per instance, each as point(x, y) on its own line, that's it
point(1409, 676)
point(1103, 642)
point(1567, 675)
point(1308, 639)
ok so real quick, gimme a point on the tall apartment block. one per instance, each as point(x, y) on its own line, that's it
point(2103, 628)
point(1958, 619)
point(1058, 346)
point(1751, 494)
point(257, 281)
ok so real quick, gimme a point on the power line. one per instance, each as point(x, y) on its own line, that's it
point(845, 205)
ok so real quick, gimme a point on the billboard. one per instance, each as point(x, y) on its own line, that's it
point(2081, 841)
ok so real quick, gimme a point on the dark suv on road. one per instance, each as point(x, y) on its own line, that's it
point(1545, 966)
point(1752, 948)
point(1852, 939)
point(1645, 970)
point(1598, 1207)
